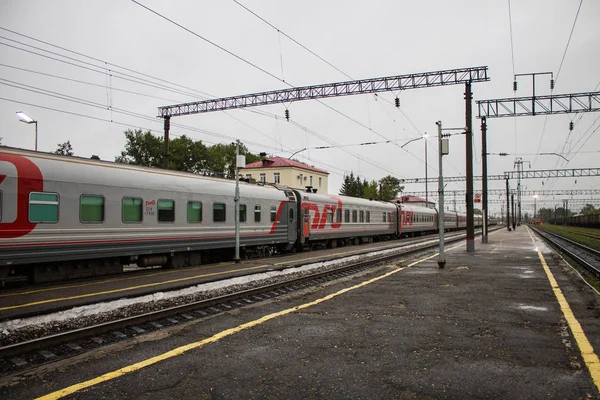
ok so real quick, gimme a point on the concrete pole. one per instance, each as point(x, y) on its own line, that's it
point(441, 258)
point(484, 200)
point(236, 200)
point(507, 206)
point(469, 169)
point(167, 127)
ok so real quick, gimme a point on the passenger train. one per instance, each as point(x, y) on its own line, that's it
point(68, 217)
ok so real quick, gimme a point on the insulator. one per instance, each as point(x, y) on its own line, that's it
point(515, 86)
point(397, 102)
point(287, 115)
point(571, 125)
point(551, 84)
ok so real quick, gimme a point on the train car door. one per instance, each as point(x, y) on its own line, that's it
point(292, 216)
point(305, 221)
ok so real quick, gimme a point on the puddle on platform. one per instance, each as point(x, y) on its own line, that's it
point(422, 271)
point(531, 308)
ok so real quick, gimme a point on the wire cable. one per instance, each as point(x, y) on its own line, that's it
point(568, 42)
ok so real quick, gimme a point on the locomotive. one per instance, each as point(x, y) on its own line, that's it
point(64, 217)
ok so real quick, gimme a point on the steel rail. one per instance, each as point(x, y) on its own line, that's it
point(555, 240)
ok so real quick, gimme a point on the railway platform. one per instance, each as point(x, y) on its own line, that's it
point(510, 321)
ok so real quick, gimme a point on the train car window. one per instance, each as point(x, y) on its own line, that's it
point(384, 220)
point(368, 217)
point(131, 209)
point(219, 214)
point(389, 217)
point(43, 207)
point(273, 213)
point(354, 215)
point(166, 211)
point(291, 215)
point(0, 205)
point(338, 215)
point(194, 211)
point(329, 215)
point(242, 213)
point(257, 213)
point(91, 208)
point(346, 215)
point(362, 216)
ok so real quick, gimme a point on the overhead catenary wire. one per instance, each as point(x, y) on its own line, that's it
point(341, 72)
point(249, 63)
point(98, 70)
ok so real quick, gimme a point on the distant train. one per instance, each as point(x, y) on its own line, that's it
point(67, 217)
point(583, 220)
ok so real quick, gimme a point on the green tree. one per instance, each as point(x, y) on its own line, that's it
point(390, 187)
point(589, 209)
point(352, 186)
point(65, 149)
point(477, 211)
point(370, 190)
point(142, 148)
point(185, 154)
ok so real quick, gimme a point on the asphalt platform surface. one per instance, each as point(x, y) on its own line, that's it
point(488, 326)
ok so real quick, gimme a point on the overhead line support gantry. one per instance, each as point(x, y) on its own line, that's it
point(448, 77)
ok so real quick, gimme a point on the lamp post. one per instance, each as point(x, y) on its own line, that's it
point(424, 137)
point(28, 120)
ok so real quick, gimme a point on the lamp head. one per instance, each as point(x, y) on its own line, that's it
point(25, 118)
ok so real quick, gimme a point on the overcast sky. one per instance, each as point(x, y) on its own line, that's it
point(363, 39)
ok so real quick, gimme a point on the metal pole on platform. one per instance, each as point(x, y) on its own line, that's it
point(484, 200)
point(441, 258)
point(426, 168)
point(236, 200)
point(514, 216)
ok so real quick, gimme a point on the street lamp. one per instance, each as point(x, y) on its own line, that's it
point(424, 137)
point(28, 120)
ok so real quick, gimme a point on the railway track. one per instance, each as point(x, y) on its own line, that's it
point(23, 356)
point(586, 257)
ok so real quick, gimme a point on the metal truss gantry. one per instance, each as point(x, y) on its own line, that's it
point(582, 192)
point(539, 105)
point(348, 88)
point(543, 173)
point(593, 201)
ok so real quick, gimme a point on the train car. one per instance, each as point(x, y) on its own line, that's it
point(330, 221)
point(67, 217)
point(583, 220)
point(416, 220)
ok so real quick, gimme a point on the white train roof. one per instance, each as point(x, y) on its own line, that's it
point(346, 201)
point(78, 170)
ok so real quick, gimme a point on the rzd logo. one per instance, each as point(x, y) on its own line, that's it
point(29, 179)
point(319, 219)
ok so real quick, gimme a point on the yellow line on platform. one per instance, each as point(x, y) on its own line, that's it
point(585, 347)
point(215, 338)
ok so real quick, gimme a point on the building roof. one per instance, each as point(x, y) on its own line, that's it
point(280, 162)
